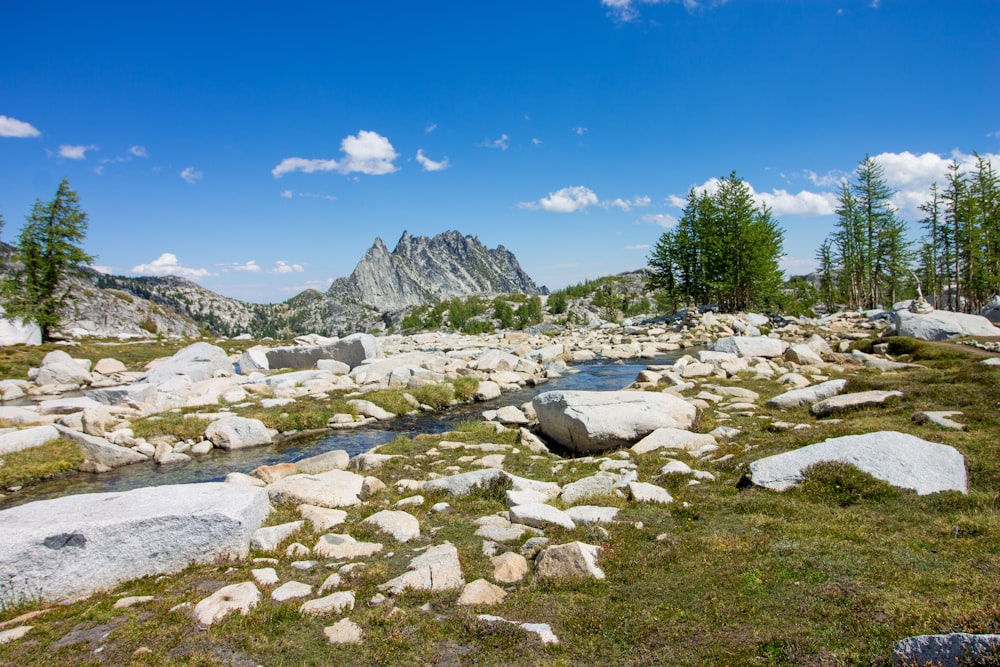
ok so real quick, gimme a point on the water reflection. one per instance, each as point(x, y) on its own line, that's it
point(598, 375)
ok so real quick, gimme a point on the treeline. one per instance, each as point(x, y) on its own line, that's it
point(476, 315)
point(869, 261)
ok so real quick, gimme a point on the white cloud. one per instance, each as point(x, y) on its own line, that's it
point(287, 194)
point(536, 141)
point(912, 175)
point(17, 129)
point(993, 135)
point(782, 202)
point(579, 131)
point(661, 219)
point(248, 267)
point(167, 265)
point(832, 178)
point(429, 164)
point(430, 128)
point(281, 266)
point(365, 153)
point(75, 152)
point(503, 143)
point(779, 200)
point(138, 151)
point(640, 246)
point(627, 204)
point(566, 200)
point(103, 268)
point(627, 10)
point(191, 175)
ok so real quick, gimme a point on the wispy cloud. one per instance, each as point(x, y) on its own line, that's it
point(429, 164)
point(579, 131)
point(288, 194)
point(191, 175)
point(365, 153)
point(627, 11)
point(138, 151)
point(640, 246)
point(535, 141)
point(503, 143)
point(17, 129)
point(281, 266)
point(577, 197)
point(627, 204)
point(661, 219)
point(780, 201)
point(168, 265)
point(248, 267)
point(75, 152)
point(430, 128)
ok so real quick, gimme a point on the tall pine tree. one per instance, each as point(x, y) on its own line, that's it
point(46, 254)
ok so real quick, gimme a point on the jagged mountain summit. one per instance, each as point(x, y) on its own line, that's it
point(422, 270)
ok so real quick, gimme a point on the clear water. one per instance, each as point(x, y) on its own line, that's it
point(597, 376)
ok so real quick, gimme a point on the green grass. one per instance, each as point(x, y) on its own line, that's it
point(831, 573)
point(32, 465)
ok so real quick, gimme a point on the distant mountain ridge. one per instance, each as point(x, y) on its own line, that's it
point(419, 270)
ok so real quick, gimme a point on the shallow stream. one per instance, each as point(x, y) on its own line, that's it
point(595, 376)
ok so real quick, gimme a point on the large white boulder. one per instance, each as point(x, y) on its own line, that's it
point(597, 421)
point(75, 545)
point(352, 350)
point(942, 325)
point(797, 398)
point(751, 346)
point(60, 368)
point(197, 362)
point(100, 450)
point(16, 441)
point(334, 488)
point(19, 332)
point(900, 459)
point(238, 433)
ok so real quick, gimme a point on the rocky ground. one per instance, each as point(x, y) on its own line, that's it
point(484, 546)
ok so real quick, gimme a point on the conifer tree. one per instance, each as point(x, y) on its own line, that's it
point(725, 249)
point(46, 254)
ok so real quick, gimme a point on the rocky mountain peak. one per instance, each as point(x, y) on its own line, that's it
point(422, 269)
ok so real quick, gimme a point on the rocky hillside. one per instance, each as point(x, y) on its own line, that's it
point(420, 270)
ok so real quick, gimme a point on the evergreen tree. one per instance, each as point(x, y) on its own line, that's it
point(725, 249)
point(936, 251)
point(873, 252)
point(827, 285)
point(46, 254)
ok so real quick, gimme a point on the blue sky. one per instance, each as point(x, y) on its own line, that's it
point(259, 148)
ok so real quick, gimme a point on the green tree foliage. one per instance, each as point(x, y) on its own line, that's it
point(960, 254)
point(530, 312)
point(725, 249)
point(870, 252)
point(558, 302)
point(47, 252)
point(503, 312)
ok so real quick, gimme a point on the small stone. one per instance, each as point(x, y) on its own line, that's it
point(371, 486)
point(124, 603)
point(481, 592)
point(331, 582)
point(290, 590)
point(575, 559)
point(265, 576)
point(345, 547)
point(7, 636)
point(333, 603)
point(642, 492)
point(268, 539)
point(402, 526)
point(344, 631)
point(322, 518)
point(228, 599)
point(509, 568)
